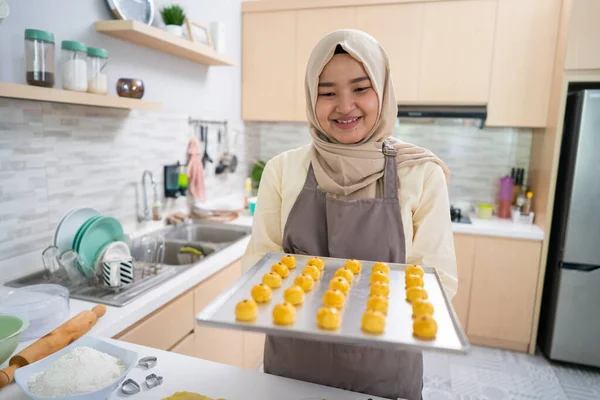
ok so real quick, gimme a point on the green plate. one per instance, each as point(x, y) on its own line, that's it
point(98, 235)
point(81, 230)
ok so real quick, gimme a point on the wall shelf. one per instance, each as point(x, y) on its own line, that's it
point(17, 91)
point(157, 39)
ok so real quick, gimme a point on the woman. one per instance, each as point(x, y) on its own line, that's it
point(355, 192)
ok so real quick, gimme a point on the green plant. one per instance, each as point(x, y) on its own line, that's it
point(256, 172)
point(173, 15)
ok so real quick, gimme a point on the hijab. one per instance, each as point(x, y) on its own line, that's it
point(351, 171)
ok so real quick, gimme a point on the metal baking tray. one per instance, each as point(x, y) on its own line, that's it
point(398, 330)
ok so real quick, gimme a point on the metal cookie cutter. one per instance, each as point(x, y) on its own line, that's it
point(130, 387)
point(153, 380)
point(148, 362)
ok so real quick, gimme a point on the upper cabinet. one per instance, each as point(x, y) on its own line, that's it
point(526, 36)
point(269, 66)
point(583, 51)
point(456, 52)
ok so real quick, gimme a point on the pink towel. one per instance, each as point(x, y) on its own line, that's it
point(195, 170)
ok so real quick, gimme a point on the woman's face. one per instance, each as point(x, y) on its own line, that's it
point(347, 105)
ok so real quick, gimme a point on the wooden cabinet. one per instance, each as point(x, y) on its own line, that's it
point(525, 46)
point(254, 344)
point(583, 51)
point(269, 66)
point(186, 345)
point(398, 28)
point(503, 291)
point(456, 51)
point(464, 246)
point(312, 25)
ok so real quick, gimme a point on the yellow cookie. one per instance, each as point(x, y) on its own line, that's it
point(272, 279)
point(373, 321)
point(345, 273)
point(415, 292)
point(380, 288)
point(294, 295)
point(280, 269)
point(289, 261)
point(317, 262)
point(378, 303)
point(422, 307)
point(284, 314)
point(329, 318)
point(246, 310)
point(413, 280)
point(261, 293)
point(306, 282)
point(379, 276)
point(354, 266)
point(340, 284)
point(414, 270)
point(381, 266)
point(313, 271)
point(334, 298)
point(425, 327)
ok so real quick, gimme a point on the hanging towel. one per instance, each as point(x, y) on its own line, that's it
point(195, 170)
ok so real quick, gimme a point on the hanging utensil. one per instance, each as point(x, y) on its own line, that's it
point(205, 156)
point(221, 167)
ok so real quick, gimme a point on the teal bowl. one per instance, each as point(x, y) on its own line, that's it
point(10, 334)
point(252, 205)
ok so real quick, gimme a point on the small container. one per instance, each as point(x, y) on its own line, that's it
point(505, 197)
point(74, 66)
point(39, 58)
point(485, 211)
point(97, 71)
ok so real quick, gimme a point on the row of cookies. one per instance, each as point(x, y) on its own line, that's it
point(329, 316)
point(424, 326)
point(373, 319)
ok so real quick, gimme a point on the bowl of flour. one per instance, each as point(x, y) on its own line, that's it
point(87, 369)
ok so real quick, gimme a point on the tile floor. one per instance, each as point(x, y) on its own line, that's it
point(493, 374)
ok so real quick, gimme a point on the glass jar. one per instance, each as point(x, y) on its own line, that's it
point(74, 66)
point(39, 58)
point(97, 73)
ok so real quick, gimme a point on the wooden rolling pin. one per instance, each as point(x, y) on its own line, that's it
point(56, 340)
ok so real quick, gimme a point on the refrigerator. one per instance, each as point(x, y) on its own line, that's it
point(570, 324)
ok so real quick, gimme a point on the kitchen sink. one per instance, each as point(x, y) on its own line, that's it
point(209, 238)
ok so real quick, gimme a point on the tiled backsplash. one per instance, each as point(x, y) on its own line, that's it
point(476, 157)
point(55, 157)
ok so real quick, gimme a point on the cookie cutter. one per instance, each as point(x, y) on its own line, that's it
point(148, 362)
point(129, 387)
point(153, 380)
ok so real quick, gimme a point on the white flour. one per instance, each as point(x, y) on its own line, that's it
point(82, 370)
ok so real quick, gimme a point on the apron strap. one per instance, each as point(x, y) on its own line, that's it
point(311, 180)
point(390, 178)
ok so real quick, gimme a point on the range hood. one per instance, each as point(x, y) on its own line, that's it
point(453, 112)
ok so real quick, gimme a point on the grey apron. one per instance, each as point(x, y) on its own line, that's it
point(367, 229)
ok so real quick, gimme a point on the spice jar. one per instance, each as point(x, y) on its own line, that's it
point(39, 58)
point(74, 66)
point(97, 74)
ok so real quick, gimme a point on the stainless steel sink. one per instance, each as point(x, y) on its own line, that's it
point(208, 237)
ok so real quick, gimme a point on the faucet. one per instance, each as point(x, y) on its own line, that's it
point(146, 215)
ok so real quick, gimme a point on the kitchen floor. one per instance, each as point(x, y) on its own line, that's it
point(493, 374)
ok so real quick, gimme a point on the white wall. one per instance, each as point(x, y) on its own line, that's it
point(182, 85)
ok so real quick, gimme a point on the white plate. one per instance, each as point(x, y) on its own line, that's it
point(69, 225)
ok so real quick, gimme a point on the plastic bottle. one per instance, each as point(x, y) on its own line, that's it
point(247, 191)
point(527, 205)
point(505, 197)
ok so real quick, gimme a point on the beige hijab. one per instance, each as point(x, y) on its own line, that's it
point(351, 171)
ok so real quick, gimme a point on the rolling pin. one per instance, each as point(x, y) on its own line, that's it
point(54, 341)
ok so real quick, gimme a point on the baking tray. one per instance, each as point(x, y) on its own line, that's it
point(398, 330)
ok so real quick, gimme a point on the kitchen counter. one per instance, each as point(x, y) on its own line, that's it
point(183, 373)
point(500, 228)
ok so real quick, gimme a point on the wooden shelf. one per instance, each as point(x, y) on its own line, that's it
point(17, 91)
point(157, 39)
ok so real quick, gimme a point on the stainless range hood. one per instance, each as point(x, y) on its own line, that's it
point(451, 112)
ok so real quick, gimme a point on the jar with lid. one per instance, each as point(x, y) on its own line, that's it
point(39, 58)
point(74, 66)
point(97, 74)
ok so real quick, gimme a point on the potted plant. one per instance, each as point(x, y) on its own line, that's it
point(256, 174)
point(174, 17)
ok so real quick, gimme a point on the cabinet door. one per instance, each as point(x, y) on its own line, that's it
point(583, 51)
point(254, 344)
point(526, 33)
point(398, 28)
point(464, 246)
point(312, 26)
point(268, 66)
point(505, 277)
point(456, 53)
point(216, 344)
point(187, 346)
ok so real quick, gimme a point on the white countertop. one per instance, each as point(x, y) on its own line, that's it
point(183, 373)
point(499, 228)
